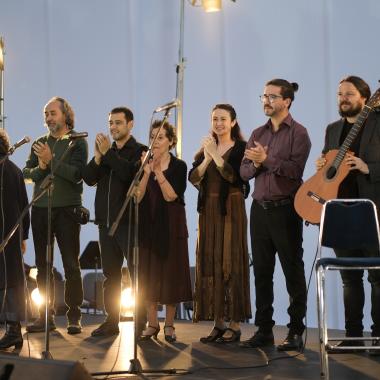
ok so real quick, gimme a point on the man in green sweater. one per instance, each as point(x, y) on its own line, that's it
point(66, 200)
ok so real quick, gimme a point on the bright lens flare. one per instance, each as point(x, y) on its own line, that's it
point(33, 273)
point(127, 299)
point(36, 297)
point(212, 5)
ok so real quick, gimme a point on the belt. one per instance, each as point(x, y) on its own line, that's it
point(271, 204)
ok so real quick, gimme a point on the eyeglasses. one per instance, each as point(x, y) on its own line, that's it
point(271, 97)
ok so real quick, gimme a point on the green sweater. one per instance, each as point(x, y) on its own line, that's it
point(67, 184)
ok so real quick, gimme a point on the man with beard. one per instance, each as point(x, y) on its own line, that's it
point(67, 191)
point(275, 156)
point(112, 170)
point(362, 181)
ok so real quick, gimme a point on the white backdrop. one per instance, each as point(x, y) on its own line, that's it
point(103, 53)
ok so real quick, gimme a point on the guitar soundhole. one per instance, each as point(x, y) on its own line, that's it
point(331, 171)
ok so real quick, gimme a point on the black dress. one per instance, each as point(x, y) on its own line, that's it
point(164, 275)
point(13, 199)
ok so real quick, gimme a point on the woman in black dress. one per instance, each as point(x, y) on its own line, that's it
point(13, 199)
point(164, 275)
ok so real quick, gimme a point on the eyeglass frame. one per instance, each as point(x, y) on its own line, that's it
point(271, 97)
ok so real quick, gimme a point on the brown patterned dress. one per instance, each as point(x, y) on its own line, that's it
point(222, 265)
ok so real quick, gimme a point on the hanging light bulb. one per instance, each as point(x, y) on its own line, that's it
point(212, 5)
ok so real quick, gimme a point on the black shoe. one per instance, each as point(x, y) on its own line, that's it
point(373, 352)
point(12, 337)
point(39, 325)
point(347, 343)
point(260, 339)
point(215, 334)
point(235, 337)
point(293, 342)
point(171, 338)
point(106, 329)
point(74, 327)
point(153, 332)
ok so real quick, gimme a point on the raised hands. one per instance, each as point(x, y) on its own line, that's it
point(43, 152)
point(256, 154)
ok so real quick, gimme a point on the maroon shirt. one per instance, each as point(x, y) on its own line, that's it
point(280, 175)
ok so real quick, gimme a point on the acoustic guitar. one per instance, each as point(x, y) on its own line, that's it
point(324, 184)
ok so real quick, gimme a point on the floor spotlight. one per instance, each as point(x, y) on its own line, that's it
point(37, 298)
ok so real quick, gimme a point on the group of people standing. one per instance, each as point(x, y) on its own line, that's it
point(275, 156)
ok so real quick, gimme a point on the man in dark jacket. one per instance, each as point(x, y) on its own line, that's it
point(66, 201)
point(112, 170)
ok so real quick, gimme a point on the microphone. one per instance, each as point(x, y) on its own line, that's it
point(73, 136)
point(25, 140)
point(167, 106)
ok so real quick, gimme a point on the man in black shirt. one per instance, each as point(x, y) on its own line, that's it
point(362, 181)
point(112, 170)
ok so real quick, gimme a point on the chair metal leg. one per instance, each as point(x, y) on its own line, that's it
point(322, 323)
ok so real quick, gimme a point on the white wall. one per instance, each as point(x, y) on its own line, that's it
point(102, 53)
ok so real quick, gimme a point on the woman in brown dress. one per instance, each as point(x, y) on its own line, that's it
point(164, 262)
point(222, 266)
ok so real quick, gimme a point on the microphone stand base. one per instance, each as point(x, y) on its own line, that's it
point(135, 366)
point(46, 355)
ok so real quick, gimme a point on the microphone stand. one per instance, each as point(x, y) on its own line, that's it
point(47, 187)
point(135, 366)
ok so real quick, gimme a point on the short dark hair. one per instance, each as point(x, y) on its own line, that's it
point(4, 141)
point(66, 109)
point(360, 84)
point(126, 111)
point(287, 88)
point(170, 132)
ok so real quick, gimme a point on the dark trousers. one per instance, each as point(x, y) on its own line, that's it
point(278, 230)
point(113, 250)
point(66, 231)
point(353, 294)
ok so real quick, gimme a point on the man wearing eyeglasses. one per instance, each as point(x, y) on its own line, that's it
point(275, 157)
point(362, 182)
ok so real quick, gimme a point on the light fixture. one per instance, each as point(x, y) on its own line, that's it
point(208, 5)
point(33, 273)
point(212, 5)
point(1, 54)
point(37, 298)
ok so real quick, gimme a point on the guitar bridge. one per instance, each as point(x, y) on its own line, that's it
point(315, 197)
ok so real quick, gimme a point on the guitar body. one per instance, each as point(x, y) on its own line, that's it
point(320, 188)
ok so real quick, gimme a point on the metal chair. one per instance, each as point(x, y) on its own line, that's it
point(345, 224)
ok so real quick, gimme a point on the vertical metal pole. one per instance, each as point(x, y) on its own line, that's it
point(180, 69)
point(2, 53)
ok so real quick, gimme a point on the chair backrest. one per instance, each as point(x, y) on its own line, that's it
point(349, 224)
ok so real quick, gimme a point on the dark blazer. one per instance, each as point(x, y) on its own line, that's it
point(369, 152)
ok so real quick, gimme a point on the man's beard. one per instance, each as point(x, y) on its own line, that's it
point(54, 129)
point(351, 112)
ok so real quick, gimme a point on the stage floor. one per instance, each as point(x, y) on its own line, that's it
point(212, 361)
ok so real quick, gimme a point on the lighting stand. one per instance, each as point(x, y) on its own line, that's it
point(2, 53)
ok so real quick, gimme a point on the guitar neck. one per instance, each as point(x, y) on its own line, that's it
point(351, 136)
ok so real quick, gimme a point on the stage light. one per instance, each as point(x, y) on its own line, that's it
point(127, 304)
point(33, 273)
point(37, 298)
point(1, 54)
point(212, 5)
